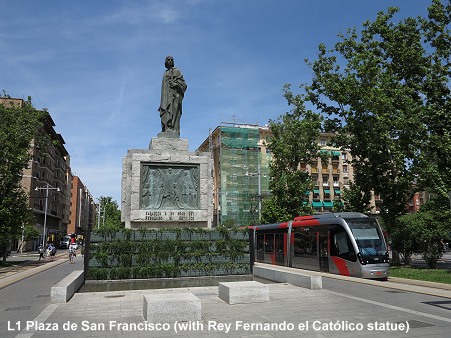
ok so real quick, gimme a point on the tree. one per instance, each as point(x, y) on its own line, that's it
point(110, 216)
point(406, 237)
point(388, 85)
point(436, 218)
point(20, 125)
point(30, 233)
point(436, 164)
point(353, 199)
point(294, 140)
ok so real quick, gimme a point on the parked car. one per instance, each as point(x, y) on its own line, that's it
point(64, 242)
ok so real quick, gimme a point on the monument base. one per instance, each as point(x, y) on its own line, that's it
point(166, 186)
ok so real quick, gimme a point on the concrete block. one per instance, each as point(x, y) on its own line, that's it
point(171, 307)
point(243, 292)
point(66, 288)
point(294, 276)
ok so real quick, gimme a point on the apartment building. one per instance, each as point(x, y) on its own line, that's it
point(82, 215)
point(48, 181)
point(331, 176)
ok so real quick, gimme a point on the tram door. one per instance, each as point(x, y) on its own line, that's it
point(323, 251)
point(279, 249)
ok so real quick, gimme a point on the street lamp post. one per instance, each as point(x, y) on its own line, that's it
point(259, 187)
point(259, 174)
point(46, 188)
point(218, 204)
point(101, 209)
point(98, 217)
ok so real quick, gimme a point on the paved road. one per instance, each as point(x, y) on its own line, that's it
point(442, 263)
point(342, 301)
point(413, 301)
point(25, 299)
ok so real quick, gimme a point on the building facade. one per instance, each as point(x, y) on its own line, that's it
point(48, 181)
point(240, 172)
point(330, 176)
point(82, 209)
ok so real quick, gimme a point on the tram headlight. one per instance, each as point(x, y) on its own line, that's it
point(359, 256)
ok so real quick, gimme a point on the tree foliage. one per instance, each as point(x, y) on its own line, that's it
point(30, 233)
point(19, 126)
point(294, 140)
point(110, 215)
point(389, 86)
point(422, 232)
point(353, 200)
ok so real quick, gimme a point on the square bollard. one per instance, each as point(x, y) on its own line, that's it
point(243, 292)
point(171, 307)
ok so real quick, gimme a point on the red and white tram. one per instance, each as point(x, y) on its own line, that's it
point(349, 244)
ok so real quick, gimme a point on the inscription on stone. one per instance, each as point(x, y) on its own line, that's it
point(169, 187)
point(169, 216)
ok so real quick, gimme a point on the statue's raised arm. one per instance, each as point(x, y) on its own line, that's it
point(173, 89)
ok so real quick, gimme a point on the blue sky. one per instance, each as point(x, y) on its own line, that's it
point(97, 65)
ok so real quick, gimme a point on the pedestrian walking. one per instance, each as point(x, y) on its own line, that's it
point(41, 252)
point(71, 254)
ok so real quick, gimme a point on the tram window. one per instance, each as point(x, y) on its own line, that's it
point(279, 242)
point(260, 242)
point(269, 243)
point(305, 244)
point(342, 246)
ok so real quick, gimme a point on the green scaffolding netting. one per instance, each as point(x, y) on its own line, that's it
point(240, 174)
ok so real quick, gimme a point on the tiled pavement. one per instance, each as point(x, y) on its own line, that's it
point(291, 311)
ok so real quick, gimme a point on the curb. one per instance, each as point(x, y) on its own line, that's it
point(416, 282)
point(409, 285)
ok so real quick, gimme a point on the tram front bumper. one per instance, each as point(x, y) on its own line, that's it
point(375, 271)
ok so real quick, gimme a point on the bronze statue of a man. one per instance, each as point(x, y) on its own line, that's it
point(173, 89)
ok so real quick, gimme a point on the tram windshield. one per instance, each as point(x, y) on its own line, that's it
point(368, 236)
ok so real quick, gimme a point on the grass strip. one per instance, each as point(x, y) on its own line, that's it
point(420, 273)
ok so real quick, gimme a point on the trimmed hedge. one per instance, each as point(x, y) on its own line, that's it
point(168, 253)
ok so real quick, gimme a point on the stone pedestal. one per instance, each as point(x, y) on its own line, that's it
point(167, 186)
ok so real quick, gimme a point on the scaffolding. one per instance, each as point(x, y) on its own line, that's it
point(244, 175)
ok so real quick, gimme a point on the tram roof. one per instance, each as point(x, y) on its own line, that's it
point(331, 215)
point(311, 220)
